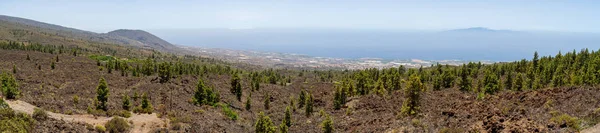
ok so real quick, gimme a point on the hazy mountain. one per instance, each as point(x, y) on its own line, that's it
point(479, 30)
point(144, 37)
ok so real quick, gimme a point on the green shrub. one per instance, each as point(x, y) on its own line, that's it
point(327, 124)
point(146, 106)
point(121, 113)
point(283, 128)
point(3, 104)
point(14, 70)
point(89, 127)
point(100, 128)
point(75, 99)
point(126, 103)
point(9, 86)
point(101, 58)
point(229, 113)
point(571, 122)
point(205, 95)
point(12, 122)
point(264, 124)
point(117, 125)
point(40, 114)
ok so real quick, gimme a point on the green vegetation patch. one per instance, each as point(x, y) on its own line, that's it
point(102, 57)
point(228, 112)
point(12, 122)
point(570, 121)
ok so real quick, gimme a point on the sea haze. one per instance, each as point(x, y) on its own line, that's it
point(463, 44)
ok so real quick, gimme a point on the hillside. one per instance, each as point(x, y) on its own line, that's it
point(89, 82)
point(149, 40)
point(21, 29)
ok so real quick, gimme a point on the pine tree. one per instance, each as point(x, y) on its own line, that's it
point(412, 94)
point(236, 87)
point(309, 105)
point(9, 86)
point(57, 58)
point(465, 80)
point(327, 125)
point(437, 82)
point(535, 61)
point(146, 105)
point(380, 88)
point(518, 83)
point(248, 102)
point(164, 72)
point(491, 82)
point(126, 102)
point(508, 84)
point(204, 94)
point(301, 99)
point(102, 97)
point(264, 124)
point(339, 97)
point(14, 69)
point(292, 101)
point(267, 101)
point(283, 128)
point(52, 65)
point(287, 119)
point(255, 83)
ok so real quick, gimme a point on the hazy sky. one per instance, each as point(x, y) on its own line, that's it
point(106, 15)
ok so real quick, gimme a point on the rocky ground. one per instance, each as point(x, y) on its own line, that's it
point(446, 110)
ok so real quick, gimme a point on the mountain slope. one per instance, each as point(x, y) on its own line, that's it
point(21, 29)
point(143, 37)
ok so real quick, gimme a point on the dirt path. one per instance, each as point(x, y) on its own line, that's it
point(142, 123)
point(594, 129)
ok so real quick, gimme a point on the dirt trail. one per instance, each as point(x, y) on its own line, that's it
point(594, 129)
point(142, 123)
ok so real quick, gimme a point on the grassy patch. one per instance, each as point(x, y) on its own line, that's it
point(101, 57)
point(40, 114)
point(570, 121)
point(228, 112)
point(13, 122)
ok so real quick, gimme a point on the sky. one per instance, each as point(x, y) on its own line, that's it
point(107, 15)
